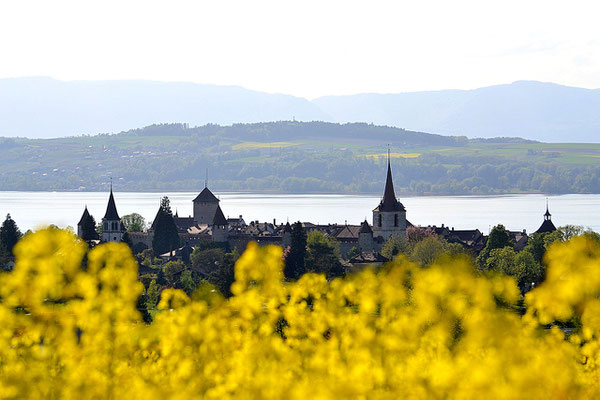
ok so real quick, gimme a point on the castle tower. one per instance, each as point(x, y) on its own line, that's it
point(547, 226)
point(111, 223)
point(365, 237)
point(220, 227)
point(205, 207)
point(389, 218)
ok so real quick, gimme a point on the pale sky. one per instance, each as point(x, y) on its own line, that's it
point(305, 48)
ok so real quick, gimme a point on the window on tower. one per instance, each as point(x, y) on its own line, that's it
point(395, 219)
point(379, 220)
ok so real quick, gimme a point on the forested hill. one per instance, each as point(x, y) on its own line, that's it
point(299, 157)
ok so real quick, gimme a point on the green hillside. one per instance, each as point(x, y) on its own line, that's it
point(297, 157)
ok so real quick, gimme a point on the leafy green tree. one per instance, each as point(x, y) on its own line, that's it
point(428, 250)
point(536, 246)
point(294, 262)
point(134, 222)
point(186, 283)
point(352, 252)
point(165, 236)
point(323, 255)
point(522, 266)
point(393, 246)
point(206, 261)
point(224, 276)
point(152, 295)
point(498, 239)
point(173, 271)
point(9, 234)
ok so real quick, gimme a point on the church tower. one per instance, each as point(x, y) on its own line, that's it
point(389, 218)
point(111, 223)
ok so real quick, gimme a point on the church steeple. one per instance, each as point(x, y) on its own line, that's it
point(547, 215)
point(389, 201)
point(389, 217)
point(112, 229)
point(111, 210)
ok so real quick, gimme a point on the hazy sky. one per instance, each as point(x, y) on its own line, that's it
point(306, 48)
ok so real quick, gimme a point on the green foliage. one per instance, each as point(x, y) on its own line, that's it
point(173, 271)
point(165, 237)
point(428, 250)
point(9, 234)
point(206, 261)
point(134, 222)
point(352, 252)
point(295, 259)
point(152, 295)
point(186, 283)
point(498, 239)
point(522, 266)
point(223, 276)
point(393, 246)
point(323, 255)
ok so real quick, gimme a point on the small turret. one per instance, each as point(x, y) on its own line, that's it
point(547, 226)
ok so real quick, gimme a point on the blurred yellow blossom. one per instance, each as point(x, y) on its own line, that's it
point(69, 329)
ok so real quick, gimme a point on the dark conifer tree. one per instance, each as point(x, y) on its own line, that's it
point(88, 229)
point(126, 239)
point(294, 262)
point(9, 234)
point(165, 237)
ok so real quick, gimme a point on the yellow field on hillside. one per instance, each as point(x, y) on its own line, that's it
point(261, 145)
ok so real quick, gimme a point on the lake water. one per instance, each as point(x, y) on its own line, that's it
point(34, 209)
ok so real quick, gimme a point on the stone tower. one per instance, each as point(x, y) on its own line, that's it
point(286, 240)
point(111, 223)
point(219, 227)
point(205, 207)
point(389, 218)
point(365, 238)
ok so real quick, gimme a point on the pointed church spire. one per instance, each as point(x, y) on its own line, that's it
point(547, 215)
point(111, 209)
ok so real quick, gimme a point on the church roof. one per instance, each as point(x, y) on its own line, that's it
point(389, 201)
point(546, 227)
point(219, 218)
point(365, 228)
point(206, 196)
point(111, 209)
point(86, 215)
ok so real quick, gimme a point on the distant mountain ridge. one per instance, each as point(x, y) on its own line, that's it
point(533, 110)
point(44, 107)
